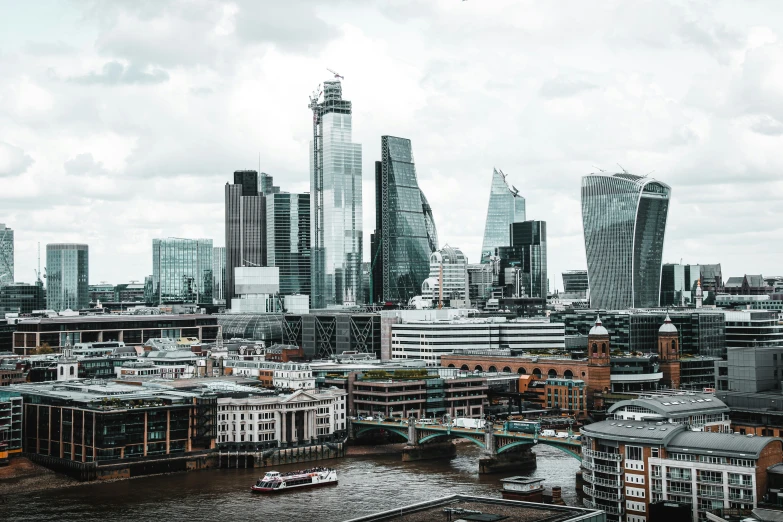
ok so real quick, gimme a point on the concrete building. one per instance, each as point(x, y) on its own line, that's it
point(449, 269)
point(10, 422)
point(300, 418)
point(759, 328)
point(287, 376)
point(628, 465)
point(323, 334)
point(256, 289)
point(430, 340)
point(697, 411)
point(567, 395)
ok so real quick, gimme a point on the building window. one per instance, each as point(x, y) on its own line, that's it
point(634, 453)
point(654, 453)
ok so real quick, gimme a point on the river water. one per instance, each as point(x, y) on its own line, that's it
point(367, 484)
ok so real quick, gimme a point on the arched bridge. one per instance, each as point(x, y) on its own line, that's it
point(492, 438)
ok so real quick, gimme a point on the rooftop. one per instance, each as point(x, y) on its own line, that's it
point(112, 318)
point(462, 507)
point(676, 405)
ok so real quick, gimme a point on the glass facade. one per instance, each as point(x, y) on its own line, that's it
point(575, 282)
point(506, 206)
point(405, 229)
point(530, 238)
point(336, 206)
point(182, 270)
point(6, 255)
point(678, 284)
point(245, 224)
point(288, 240)
point(22, 298)
point(624, 219)
point(67, 275)
point(219, 275)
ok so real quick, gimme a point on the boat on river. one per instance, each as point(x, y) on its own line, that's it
point(276, 482)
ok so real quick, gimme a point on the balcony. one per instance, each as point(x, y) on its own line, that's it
point(709, 480)
point(602, 455)
point(598, 481)
point(677, 476)
point(740, 484)
point(603, 469)
point(741, 498)
point(597, 493)
point(710, 494)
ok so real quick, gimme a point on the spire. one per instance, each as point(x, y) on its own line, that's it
point(667, 326)
point(598, 329)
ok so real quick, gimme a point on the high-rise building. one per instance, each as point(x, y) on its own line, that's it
point(678, 283)
point(405, 233)
point(288, 240)
point(245, 225)
point(624, 218)
point(6, 255)
point(219, 275)
point(336, 202)
point(22, 298)
point(448, 266)
point(506, 206)
point(575, 282)
point(266, 184)
point(182, 270)
point(67, 276)
point(530, 238)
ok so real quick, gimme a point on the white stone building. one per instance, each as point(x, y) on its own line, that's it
point(293, 376)
point(300, 417)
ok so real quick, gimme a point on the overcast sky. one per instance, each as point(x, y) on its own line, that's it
point(122, 121)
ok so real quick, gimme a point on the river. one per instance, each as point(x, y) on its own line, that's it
point(367, 484)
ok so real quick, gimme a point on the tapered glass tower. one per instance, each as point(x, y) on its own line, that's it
point(624, 218)
point(336, 201)
point(405, 234)
point(506, 206)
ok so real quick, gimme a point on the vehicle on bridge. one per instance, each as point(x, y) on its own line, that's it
point(522, 426)
point(464, 422)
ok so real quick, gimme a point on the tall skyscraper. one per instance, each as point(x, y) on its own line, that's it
point(245, 225)
point(219, 275)
point(405, 233)
point(506, 206)
point(529, 237)
point(67, 276)
point(624, 219)
point(6, 255)
point(266, 184)
point(336, 201)
point(288, 240)
point(575, 282)
point(182, 270)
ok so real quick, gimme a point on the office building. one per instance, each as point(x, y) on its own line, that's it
point(506, 206)
point(266, 184)
point(679, 283)
point(484, 282)
point(747, 285)
point(10, 423)
point(753, 328)
point(431, 340)
point(22, 298)
point(256, 289)
point(219, 275)
point(575, 282)
point(326, 334)
point(133, 330)
point(702, 332)
point(67, 276)
point(182, 270)
point(405, 234)
point(6, 255)
point(624, 219)
point(336, 202)
point(288, 240)
point(529, 239)
point(627, 465)
point(245, 225)
point(448, 279)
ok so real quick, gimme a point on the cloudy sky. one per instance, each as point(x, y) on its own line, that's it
point(122, 121)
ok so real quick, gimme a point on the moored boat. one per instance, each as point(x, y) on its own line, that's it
point(276, 482)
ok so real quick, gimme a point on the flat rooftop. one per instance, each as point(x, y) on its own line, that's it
point(482, 509)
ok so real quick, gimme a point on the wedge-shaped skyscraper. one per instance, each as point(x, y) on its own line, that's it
point(405, 234)
point(506, 206)
point(624, 219)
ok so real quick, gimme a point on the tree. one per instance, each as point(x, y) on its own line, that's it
point(43, 349)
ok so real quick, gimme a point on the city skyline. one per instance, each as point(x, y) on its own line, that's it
point(697, 129)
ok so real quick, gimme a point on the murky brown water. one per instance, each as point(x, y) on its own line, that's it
point(367, 485)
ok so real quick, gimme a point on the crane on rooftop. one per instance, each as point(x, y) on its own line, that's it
point(336, 74)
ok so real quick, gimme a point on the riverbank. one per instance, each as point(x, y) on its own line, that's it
point(24, 476)
point(383, 449)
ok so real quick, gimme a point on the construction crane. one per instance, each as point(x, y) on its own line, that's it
point(336, 74)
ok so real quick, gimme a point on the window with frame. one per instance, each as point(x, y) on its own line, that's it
point(634, 453)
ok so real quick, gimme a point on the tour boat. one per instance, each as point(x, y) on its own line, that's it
point(276, 482)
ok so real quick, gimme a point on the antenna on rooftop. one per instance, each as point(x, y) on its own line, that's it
point(624, 171)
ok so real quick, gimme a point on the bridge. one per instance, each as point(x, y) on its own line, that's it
point(493, 439)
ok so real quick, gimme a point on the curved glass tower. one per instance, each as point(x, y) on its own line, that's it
point(405, 229)
point(506, 206)
point(624, 219)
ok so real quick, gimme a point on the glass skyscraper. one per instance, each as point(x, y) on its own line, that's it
point(529, 239)
point(219, 275)
point(506, 206)
point(6, 255)
point(67, 276)
point(336, 204)
point(624, 219)
point(575, 282)
point(405, 233)
point(288, 240)
point(245, 224)
point(182, 270)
